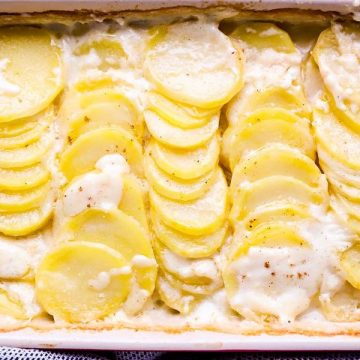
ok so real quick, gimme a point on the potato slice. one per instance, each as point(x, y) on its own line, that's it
point(194, 63)
point(350, 263)
point(9, 306)
point(262, 35)
point(269, 126)
point(132, 201)
point(106, 109)
point(23, 200)
point(186, 164)
point(81, 282)
point(25, 223)
point(195, 217)
point(185, 245)
point(82, 155)
point(23, 178)
point(190, 271)
point(275, 213)
point(180, 115)
point(31, 65)
point(25, 156)
point(350, 192)
point(272, 97)
point(271, 275)
point(175, 188)
point(273, 160)
point(120, 232)
point(275, 190)
point(174, 298)
point(173, 136)
point(342, 143)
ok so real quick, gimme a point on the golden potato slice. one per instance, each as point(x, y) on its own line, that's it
point(122, 233)
point(273, 160)
point(176, 137)
point(32, 70)
point(25, 156)
point(82, 281)
point(25, 223)
point(342, 143)
point(12, 307)
point(174, 298)
point(350, 263)
point(132, 201)
point(106, 109)
point(272, 97)
point(23, 178)
point(275, 190)
point(194, 289)
point(190, 271)
point(23, 200)
point(350, 192)
point(82, 155)
point(269, 126)
point(186, 164)
point(262, 35)
point(275, 213)
point(274, 264)
point(185, 245)
point(175, 188)
point(194, 63)
point(195, 217)
point(180, 115)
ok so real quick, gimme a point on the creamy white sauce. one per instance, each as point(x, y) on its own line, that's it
point(103, 279)
point(142, 261)
point(6, 87)
point(14, 261)
point(101, 189)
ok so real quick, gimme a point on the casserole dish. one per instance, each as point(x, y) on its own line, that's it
point(81, 173)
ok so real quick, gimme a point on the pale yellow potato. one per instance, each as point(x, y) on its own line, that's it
point(275, 190)
point(190, 246)
point(198, 217)
point(195, 64)
point(276, 159)
point(173, 136)
point(99, 288)
point(83, 153)
point(186, 164)
point(173, 187)
point(180, 115)
point(23, 178)
point(350, 263)
point(32, 66)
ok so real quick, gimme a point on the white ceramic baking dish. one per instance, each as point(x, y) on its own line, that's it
point(196, 340)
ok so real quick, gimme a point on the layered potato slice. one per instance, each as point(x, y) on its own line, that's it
point(106, 109)
point(189, 246)
point(23, 178)
point(276, 190)
point(173, 136)
point(175, 188)
point(25, 156)
point(268, 126)
point(350, 263)
point(178, 114)
point(186, 164)
point(195, 217)
point(271, 275)
point(25, 222)
point(100, 287)
point(10, 306)
point(32, 71)
point(122, 233)
point(341, 142)
point(336, 53)
point(276, 159)
point(82, 155)
point(201, 271)
point(175, 298)
point(194, 63)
